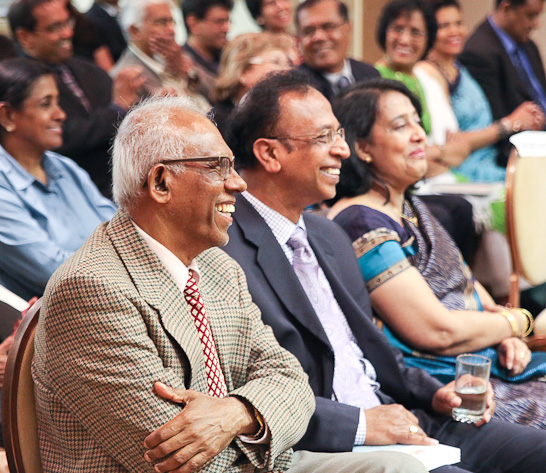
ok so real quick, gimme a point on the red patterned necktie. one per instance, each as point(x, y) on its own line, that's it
point(215, 377)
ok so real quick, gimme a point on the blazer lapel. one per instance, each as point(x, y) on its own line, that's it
point(158, 289)
point(278, 271)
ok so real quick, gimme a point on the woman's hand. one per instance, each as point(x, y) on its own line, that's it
point(513, 355)
point(527, 116)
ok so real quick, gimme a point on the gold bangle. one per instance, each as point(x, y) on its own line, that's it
point(511, 320)
point(530, 321)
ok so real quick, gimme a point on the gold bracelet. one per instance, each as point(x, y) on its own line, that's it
point(530, 321)
point(511, 320)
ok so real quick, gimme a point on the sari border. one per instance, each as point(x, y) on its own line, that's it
point(389, 273)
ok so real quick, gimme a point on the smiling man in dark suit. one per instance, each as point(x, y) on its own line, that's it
point(324, 31)
point(303, 275)
point(503, 58)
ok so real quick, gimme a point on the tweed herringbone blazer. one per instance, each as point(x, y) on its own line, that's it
point(113, 322)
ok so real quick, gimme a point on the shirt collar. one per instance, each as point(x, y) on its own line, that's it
point(347, 72)
point(281, 227)
point(20, 178)
point(507, 41)
point(150, 62)
point(178, 270)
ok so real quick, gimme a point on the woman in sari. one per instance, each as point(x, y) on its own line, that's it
point(431, 306)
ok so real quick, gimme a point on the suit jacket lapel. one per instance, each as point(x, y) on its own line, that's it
point(370, 340)
point(516, 78)
point(278, 271)
point(157, 288)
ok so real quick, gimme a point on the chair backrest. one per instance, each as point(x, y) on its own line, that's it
point(526, 220)
point(18, 410)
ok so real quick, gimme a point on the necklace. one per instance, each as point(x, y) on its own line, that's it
point(414, 220)
point(449, 71)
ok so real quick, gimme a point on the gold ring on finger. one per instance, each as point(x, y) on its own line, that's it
point(413, 429)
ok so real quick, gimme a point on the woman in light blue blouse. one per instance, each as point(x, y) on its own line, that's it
point(48, 204)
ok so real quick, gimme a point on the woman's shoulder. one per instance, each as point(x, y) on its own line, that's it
point(67, 164)
point(357, 220)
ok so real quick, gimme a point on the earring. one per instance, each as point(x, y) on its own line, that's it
point(10, 128)
point(367, 158)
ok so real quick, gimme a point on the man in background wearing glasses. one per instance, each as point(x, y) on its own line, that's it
point(149, 343)
point(324, 30)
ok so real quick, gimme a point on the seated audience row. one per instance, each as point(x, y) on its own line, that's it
point(203, 384)
point(159, 254)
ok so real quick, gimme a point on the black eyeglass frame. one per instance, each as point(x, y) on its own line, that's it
point(331, 139)
point(222, 169)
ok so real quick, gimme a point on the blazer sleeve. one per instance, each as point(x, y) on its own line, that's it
point(332, 427)
point(100, 364)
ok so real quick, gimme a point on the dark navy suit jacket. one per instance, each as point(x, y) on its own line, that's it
point(278, 293)
point(489, 63)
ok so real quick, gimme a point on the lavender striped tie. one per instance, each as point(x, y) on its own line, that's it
point(351, 384)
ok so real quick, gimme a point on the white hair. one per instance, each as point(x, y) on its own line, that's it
point(148, 134)
point(133, 12)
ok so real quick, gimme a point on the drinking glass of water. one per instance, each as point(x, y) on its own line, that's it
point(471, 381)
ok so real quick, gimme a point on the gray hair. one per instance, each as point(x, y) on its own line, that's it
point(148, 135)
point(133, 12)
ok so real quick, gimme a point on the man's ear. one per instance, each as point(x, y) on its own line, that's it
point(159, 184)
point(134, 32)
point(266, 152)
point(192, 22)
point(23, 37)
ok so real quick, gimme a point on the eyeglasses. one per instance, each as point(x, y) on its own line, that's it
point(327, 138)
point(223, 164)
point(413, 32)
point(163, 22)
point(59, 26)
point(309, 31)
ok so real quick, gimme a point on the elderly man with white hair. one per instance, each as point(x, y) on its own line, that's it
point(150, 27)
point(149, 350)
